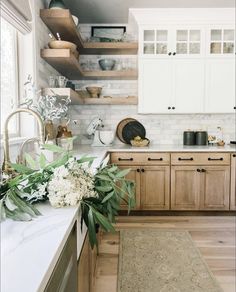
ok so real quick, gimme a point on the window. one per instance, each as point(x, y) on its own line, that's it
point(9, 75)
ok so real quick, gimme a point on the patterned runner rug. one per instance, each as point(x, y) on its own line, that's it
point(162, 261)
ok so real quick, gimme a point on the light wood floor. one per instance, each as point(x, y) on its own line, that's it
point(214, 236)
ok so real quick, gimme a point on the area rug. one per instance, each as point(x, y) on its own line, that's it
point(162, 261)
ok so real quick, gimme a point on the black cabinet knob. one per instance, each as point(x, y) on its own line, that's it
point(169, 53)
point(203, 170)
point(234, 155)
point(169, 107)
point(174, 53)
point(142, 170)
point(234, 107)
point(138, 170)
point(173, 107)
point(198, 170)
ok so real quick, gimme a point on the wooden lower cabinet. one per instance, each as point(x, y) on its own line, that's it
point(86, 267)
point(155, 187)
point(133, 175)
point(233, 183)
point(185, 188)
point(200, 187)
point(215, 188)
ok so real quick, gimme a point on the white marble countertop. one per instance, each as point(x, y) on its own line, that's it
point(30, 250)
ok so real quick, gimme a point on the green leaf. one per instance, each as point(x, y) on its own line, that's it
point(112, 168)
point(42, 160)
point(91, 228)
point(107, 197)
point(107, 226)
point(122, 173)
point(54, 148)
point(104, 189)
point(30, 161)
point(58, 162)
point(22, 169)
point(86, 158)
point(18, 216)
point(102, 177)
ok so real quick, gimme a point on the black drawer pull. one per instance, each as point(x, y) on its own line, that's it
point(155, 159)
point(138, 170)
point(215, 159)
point(125, 159)
point(187, 159)
point(198, 170)
point(142, 170)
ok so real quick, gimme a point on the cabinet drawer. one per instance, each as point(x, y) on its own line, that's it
point(200, 158)
point(134, 158)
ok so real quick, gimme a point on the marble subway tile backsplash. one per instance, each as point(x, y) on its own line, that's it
point(161, 129)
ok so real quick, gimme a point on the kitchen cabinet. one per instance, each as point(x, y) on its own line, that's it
point(171, 86)
point(215, 188)
point(220, 85)
point(84, 268)
point(64, 276)
point(155, 189)
point(186, 68)
point(200, 181)
point(151, 174)
point(185, 188)
point(233, 183)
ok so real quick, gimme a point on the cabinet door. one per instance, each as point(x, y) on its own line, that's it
point(189, 85)
point(133, 175)
point(233, 183)
point(220, 85)
point(155, 42)
point(188, 42)
point(155, 85)
point(215, 188)
point(64, 276)
point(221, 41)
point(84, 268)
point(185, 188)
point(155, 189)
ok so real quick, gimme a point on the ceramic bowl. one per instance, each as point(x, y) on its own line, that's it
point(94, 91)
point(56, 44)
point(107, 64)
point(107, 137)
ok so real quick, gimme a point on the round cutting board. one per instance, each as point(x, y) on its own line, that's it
point(120, 126)
point(133, 129)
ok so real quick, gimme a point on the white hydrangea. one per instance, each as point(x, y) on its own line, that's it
point(70, 184)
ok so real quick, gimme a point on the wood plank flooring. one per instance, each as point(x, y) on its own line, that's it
point(214, 236)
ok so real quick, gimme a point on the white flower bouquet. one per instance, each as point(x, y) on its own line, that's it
point(67, 182)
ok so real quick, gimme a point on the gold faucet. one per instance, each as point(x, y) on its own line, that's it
point(6, 168)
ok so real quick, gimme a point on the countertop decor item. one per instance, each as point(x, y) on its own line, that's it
point(57, 4)
point(162, 260)
point(189, 138)
point(132, 130)
point(59, 44)
point(94, 91)
point(120, 126)
point(106, 137)
point(107, 64)
point(67, 181)
point(139, 142)
point(201, 137)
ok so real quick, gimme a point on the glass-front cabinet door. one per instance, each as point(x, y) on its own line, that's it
point(221, 41)
point(156, 42)
point(188, 42)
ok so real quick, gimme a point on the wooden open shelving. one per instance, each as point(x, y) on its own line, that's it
point(60, 20)
point(82, 97)
point(66, 63)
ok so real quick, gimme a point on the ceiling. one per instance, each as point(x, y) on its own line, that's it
point(116, 11)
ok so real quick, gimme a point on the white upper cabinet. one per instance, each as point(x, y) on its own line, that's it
point(187, 68)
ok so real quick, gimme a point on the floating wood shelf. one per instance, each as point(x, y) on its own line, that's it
point(81, 97)
point(66, 63)
point(60, 20)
